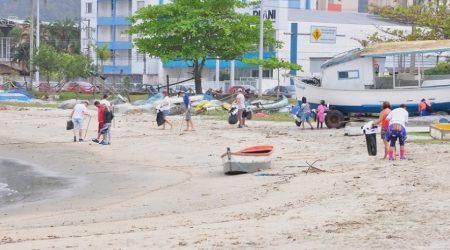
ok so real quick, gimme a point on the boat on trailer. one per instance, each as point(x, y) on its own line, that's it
point(358, 81)
point(248, 160)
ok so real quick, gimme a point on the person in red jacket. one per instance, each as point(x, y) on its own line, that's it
point(101, 119)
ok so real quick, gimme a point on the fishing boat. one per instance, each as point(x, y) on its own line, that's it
point(358, 81)
point(269, 105)
point(248, 160)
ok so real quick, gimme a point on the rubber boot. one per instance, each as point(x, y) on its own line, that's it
point(391, 154)
point(402, 154)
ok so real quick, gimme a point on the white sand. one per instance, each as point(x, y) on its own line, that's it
point(155, 189)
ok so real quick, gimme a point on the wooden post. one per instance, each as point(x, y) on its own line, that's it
point(167, 82)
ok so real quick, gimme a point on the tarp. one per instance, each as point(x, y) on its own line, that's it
point(14, 97)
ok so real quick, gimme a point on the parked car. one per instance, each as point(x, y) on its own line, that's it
point(250, 91)
point(48, 87)
point(288, 91)
point(80, 87)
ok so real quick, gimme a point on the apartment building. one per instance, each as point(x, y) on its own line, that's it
point(105, 22)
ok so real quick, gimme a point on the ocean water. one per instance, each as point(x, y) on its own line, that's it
point(22, 183)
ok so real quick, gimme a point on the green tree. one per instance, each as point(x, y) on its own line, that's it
point(103, 54)
point(71, 66)
point(46, 58)
point(274, 63)
point(196, 30)
point(429, 21)
point(63, 35)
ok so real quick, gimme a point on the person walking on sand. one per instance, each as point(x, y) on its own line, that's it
point(77, 115)
point(187, 111)
point(424, 107)
point(397, 123)
point(101, 119)
point(384, 123)
point(240, 101)
point(106, 129)
point(164, 107)
point(321, 109)
point(305, 109)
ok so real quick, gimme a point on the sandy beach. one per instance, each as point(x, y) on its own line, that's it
point(161, 189)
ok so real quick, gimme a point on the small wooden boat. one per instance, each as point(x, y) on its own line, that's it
point(440, 131)
point(248, 160)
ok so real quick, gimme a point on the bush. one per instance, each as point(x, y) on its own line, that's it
point(442, 68)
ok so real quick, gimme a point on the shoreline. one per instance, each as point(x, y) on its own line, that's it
point(155, 189)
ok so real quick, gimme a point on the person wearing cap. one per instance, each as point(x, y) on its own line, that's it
point(164, 107)
point(240, 101)
point(77, 115)
point(187, 110)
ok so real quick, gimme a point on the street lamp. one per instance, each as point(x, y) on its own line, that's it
point(261, 44)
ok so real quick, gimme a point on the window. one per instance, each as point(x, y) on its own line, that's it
point(140, 4)
point(351, 74)
point(267, 73)
point(88, 8)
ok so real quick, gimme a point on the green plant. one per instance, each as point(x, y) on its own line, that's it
point(442, 68)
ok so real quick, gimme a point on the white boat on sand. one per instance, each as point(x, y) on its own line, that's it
point(359, 80)
point(248, 160)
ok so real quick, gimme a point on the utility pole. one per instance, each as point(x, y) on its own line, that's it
point(31, 33)
point(38, 38)
point(261, 48)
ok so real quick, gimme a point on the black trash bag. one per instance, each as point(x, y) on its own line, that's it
point(371, 142)
point(233, 118)
point(160, 118)
point(69, 125)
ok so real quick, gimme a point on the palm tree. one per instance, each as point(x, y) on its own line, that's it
point(63, 36)
point(103, 54)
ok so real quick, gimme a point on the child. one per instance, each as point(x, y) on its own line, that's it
point(306, 111)
point(321, 109)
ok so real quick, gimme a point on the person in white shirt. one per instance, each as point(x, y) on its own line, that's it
point(105, 101)
point(397, 130)
point(240, 101)
point(77, 115)
point(164, 107)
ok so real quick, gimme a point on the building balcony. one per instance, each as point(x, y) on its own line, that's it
point(110, 21)
point(116, 45)
point(117, 69)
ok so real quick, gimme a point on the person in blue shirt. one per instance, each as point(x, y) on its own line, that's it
point(187, 112)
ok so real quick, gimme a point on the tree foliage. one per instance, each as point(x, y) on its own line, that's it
point(65, 66)
point(197, 30)
point(63, 35)
point(429, 21)
point(103, 54)
point(273, 63)
point(46, 58)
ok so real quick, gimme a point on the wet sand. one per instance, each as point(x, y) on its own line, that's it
point(155, 189)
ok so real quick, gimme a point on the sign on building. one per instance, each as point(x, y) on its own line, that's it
point(323, 34)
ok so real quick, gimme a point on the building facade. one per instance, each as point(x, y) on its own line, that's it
point(310, 37)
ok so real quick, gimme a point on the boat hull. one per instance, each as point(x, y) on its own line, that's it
point(248, 160)
point(245, 164)
point(370, 100)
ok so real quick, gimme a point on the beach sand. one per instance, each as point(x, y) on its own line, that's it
point(160, 189)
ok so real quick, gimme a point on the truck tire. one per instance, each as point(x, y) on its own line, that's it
point(334, 119)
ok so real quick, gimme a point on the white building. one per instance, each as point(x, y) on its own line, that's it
point(310, 37)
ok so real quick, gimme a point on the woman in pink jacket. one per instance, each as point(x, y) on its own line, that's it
point(321, 109)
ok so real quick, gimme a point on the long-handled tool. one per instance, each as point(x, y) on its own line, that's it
point(89, 122)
